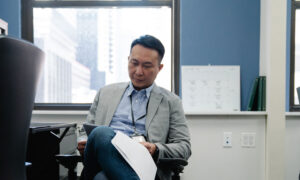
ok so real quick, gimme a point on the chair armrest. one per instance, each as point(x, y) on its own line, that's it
point(68, 160)
point(175, 164)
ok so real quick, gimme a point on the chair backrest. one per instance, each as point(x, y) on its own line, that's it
point(20, 68)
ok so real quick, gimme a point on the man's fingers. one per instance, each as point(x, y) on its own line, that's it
point(81, 146)
point(150, 146)
point(146, 144)
point(81, 142)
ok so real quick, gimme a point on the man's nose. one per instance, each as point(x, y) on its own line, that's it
point(139, 70)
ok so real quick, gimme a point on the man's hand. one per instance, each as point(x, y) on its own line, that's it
point(81, 146)
point(150, 146)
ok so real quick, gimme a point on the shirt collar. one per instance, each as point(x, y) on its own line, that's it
point(131, 89)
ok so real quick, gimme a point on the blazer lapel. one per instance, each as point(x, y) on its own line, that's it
point(154, 101)
point(114, 102)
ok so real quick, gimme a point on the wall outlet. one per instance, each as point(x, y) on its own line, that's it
point(227, 139)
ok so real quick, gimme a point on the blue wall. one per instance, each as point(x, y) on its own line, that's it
point(222, 33)
point(10, 12)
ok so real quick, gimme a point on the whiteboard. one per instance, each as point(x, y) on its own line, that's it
point(210, 88)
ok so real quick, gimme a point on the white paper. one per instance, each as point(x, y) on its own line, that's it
point(136, 155)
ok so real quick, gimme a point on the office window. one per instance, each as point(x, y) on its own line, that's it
point(295, 56)
point(87, 45)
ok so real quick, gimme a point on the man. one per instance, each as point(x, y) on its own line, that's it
point(136, 108)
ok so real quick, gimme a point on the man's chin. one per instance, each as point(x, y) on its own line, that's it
point(138, 86)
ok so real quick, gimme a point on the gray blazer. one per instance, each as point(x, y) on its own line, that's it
point(166, 125)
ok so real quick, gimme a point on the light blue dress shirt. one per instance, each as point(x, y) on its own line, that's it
point(122, 119)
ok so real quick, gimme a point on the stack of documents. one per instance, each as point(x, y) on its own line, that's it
point(136, 155)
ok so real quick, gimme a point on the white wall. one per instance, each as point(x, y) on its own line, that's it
point(211, 161)
point(292, 146)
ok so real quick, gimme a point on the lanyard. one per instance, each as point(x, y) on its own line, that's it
point(132, 116)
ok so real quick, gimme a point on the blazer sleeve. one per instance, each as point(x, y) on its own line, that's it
point(178, 139)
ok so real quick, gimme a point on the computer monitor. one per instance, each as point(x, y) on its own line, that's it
point(3, 27)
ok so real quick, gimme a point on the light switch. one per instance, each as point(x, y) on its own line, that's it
point(248, 139)
point(252, 139)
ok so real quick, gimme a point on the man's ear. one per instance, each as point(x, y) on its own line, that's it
point(160, 67)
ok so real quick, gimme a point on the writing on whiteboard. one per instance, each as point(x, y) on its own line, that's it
point(210, 88)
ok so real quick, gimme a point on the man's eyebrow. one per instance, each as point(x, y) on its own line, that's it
point(147, 63)
point(133, 59)
point(144, 63)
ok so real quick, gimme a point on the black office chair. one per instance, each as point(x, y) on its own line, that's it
point(176, 165)
point(20, 67)
point(70, 162)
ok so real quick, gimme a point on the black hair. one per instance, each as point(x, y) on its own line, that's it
point(151, 42)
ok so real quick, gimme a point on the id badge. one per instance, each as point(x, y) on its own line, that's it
point(138, 138)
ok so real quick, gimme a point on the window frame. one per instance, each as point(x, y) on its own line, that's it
point(292, 105)
point(27, 34)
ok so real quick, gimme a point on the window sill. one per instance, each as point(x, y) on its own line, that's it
point(71, 112)
point(226, 113)
point(290, 114)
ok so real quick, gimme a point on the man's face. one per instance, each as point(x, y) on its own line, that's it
point(143, 66)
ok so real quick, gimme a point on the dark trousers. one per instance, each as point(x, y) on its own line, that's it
point(101, 155)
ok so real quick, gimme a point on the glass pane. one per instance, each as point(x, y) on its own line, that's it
point(297, 56)
point(88, 48)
